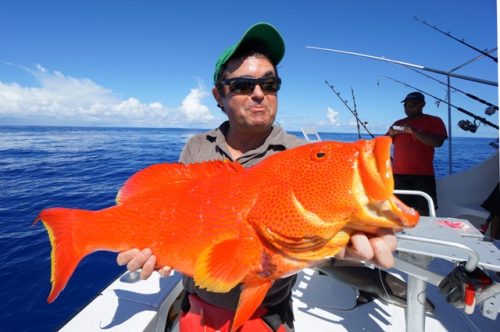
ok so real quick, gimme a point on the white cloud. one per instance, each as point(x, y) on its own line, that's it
point(192, 107)
point(332, 116)
point(61, 99)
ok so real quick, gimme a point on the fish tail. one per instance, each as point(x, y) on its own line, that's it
point(66, 241)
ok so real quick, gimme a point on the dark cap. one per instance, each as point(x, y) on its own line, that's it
point(272, 43)
point(414, 96)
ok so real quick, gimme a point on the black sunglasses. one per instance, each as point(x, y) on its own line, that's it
point(246, 85)
point(410, 105)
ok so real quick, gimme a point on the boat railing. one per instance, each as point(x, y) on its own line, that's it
point(455, 240)
point(428, 198)
point(310, 134)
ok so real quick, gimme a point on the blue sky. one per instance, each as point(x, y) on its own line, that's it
point(150, 63)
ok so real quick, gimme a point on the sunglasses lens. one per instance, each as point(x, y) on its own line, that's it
point(243, 85)
point(271, 84)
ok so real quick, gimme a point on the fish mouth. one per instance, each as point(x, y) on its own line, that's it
point(391, 213)
point(373, 187)
point(397, 212)
point(407, 216)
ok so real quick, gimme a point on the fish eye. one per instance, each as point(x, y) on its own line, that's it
point(318, 155)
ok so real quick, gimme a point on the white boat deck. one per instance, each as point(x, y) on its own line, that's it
point(129, 304)
point(318, 307)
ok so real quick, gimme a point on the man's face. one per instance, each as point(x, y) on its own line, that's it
point(254, 111)
point(413, 107)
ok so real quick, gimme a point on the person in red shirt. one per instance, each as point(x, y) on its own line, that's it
point(414, 139)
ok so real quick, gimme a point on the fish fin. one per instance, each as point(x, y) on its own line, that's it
point(221, 267)
point(66, 253)
point(164, 174)
point(251, 298)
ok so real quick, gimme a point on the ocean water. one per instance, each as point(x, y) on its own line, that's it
point(80, 167)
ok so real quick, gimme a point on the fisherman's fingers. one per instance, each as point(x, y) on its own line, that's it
point(382, 252)
point(388, 236)
point(165, 271)
point(148, 267)
point(124, 257)
point(137, 261)
point(360, 247)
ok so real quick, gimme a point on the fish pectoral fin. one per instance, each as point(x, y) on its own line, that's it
point(221, 267)
point(251, 298)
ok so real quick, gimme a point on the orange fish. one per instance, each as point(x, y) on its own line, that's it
point(225, 225)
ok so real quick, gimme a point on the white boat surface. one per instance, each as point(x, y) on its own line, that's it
point(460, 195)
point(322, 303)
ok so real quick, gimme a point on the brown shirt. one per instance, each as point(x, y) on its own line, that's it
point(212, 146)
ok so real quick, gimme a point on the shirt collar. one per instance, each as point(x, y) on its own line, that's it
point(275, 140)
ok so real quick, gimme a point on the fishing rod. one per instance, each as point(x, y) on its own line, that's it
point(355, 113)
point(462, 41)
point(406, 64)
point(466, 125)
point(482, 101)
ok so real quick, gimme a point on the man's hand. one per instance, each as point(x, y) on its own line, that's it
point(395, 130)
point(377, 249)
point(136, 259)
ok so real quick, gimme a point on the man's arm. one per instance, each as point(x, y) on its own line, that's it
point(433, 140)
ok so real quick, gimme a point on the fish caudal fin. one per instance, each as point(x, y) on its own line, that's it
point(66, 251)
point(251, 298)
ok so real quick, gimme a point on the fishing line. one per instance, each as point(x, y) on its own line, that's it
point(422, 293)
point(382, 282)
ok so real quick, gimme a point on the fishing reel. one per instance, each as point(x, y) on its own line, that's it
point(490, 110)
point(466, 125)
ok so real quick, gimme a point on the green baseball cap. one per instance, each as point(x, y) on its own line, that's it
point(271, 40)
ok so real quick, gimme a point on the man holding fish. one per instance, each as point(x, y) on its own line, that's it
point(246, 85)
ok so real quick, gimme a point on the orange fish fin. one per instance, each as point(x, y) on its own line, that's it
point(383, 156)
point(251, 298)
point(159, 175)
point(66, 254)
point(375, 168)
point(221, 267)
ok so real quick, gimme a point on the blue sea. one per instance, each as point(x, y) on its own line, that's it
point(81, 167)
